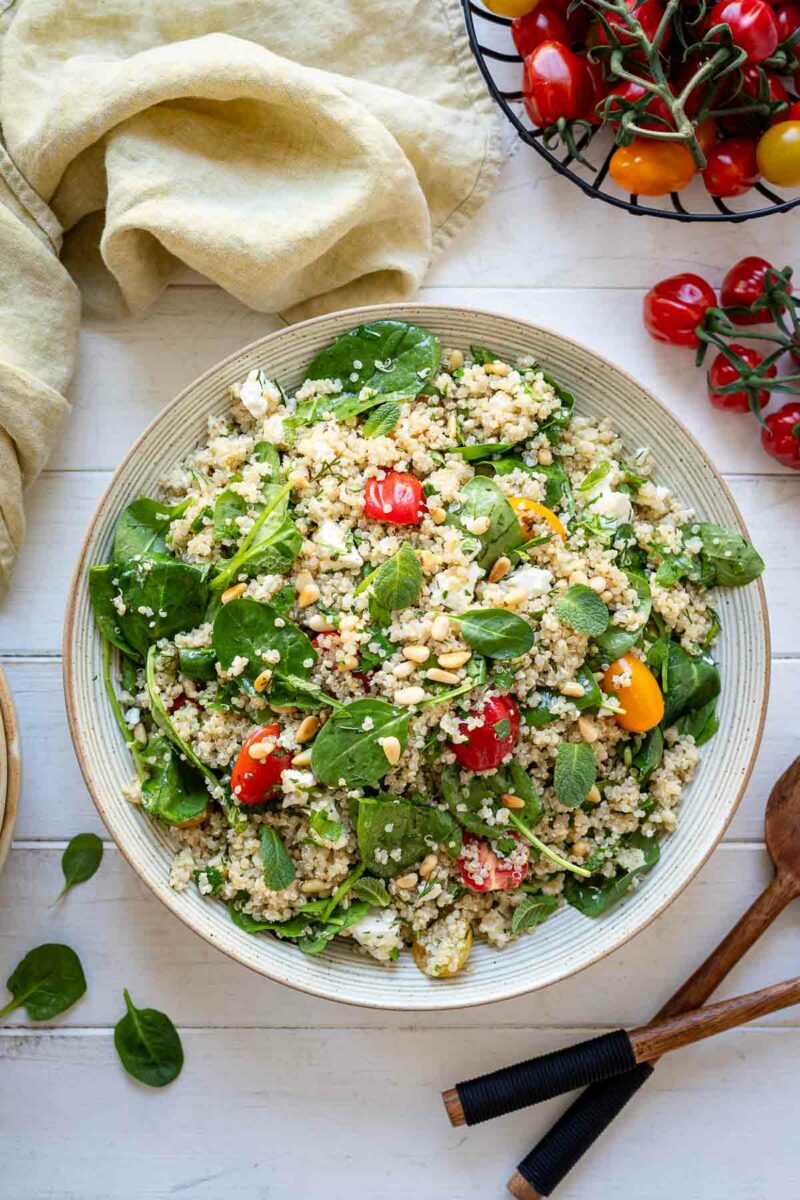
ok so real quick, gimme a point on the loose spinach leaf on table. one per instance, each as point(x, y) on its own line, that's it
point(597, 895)
point(251, 628)
point(80, 860)
point(495, 632)
point(728, 558)
point(162, 598)
point(483, 498)
point(197, 664)
point(402, 832)
point(374, 891)
point(615, 641)
point(345, 749)
point(173, 792)
point(279, 868)
point(148, 1045)
point(691, 682)
point(575, 773)
point(47, 982)
point(142, 530)
point(397, 582)
point(102, 591)
point(532, 911)
point(582, 609)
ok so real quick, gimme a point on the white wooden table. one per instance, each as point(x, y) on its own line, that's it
point(286, 1096)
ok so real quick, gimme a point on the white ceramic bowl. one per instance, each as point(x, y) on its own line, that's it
point(569, 941)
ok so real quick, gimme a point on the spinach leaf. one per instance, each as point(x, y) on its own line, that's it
point(394, 833)
point(594, 477)
point(279, 868)
point(649, 754)
point(374, 891)
point(345, 750)
point(142, 530)
point(483, 498)
point(495, 632)
point(473, 803)
point(229, 506)
point(323, 828)
point(397, 582)
point(532, 911)
point(599, 894)
point(729, 559)
point(102, 591)
point(148, 1045)
point(479, 452)
point(47, 982)
point(702, 723)
point(391, 358)
point(271, 545)
point(615, 641)
point(575, 773)
point(561, 416)
point(483, 355)
point(251, 628)
point(540, 715)
point(197, 664)
point(583, 610)
point(214, 876)
point(161, 598)
point(691, 682)
point(375, 651)
point(557, 491)
point(265, 452)
point(174, 792)
point(80, 860)
point(592, 695)
point(381, 420)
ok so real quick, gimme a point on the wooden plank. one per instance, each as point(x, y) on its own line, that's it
point(126, 938)
point(348, 1113)
point(48, 755)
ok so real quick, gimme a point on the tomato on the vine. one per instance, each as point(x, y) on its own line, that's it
point(706, 134)
point(675, 307)
point(779, 154)
point(256, 779)
point(787, 18)
point(752, 24)
point(723, 373)
point(633, 93)
point(396, 499)
point(511, 8)
point(651, 168)
point(792, 113)
point(756, 84)
point(731, 168)
point(484, 869)
point(781, 437)
point(647, 12)
point(555, 84)
point(488, 743)
point(596, 88)
point(546, 23)
point(742, 286)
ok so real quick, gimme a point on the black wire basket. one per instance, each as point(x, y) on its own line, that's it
point(501, 66)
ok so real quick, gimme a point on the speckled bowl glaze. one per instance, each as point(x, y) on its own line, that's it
point(568, 942)
point(9, 769)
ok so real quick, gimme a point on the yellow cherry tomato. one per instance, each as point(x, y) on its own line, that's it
point(526, 510)
point(511, 8)
point(641, 697)
point(778, 154)
point(420, 956)
point(651, 168)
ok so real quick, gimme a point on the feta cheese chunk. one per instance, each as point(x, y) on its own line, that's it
point(379, 933)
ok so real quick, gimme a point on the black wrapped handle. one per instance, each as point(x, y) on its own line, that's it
point(542, 1078)
point(577, 1129)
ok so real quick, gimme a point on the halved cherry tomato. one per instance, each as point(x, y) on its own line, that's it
point(650, 168)
point(732, 168)
point(483, 870)
point(633, 93)
point(742, 286)
point(781, 438)
point(528, 509)
point(555, 84)
point(510, 8)
point(752, 24)
point(255, 780)
point(547, 23)
point(779, 154)
point(723, 372)
point(647, 12)
point(493, 739)
point(396, 499)
point(641, 697)
point(675, 307)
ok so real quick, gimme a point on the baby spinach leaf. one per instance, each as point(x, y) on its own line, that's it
point(702, 723)
point(575, 773)
point(540, 715)
point(229, 506)
point(483, 355)
point(393, 833)
point(592, 695)
point(495, 632)
point(594, 477)
point(649, 753)
point(142, 530)
point(397, 583)
point(161, 598)
point(80, 860)
point(265, 452)
point(557, 491)
point(347, 747)
point(251, 628)
point(272, 542)
point(483, 498)
point(173, 792)
point(102, 591)
point(279, 868)
point(47, 982)
point(532, 911)
point(595, 896)
point(729, 559)
point(561, 416)
point(615, 641)
point(480, 451)
point(374, 891)
point(583, 610)
point(148, 1045)
point(381, 420)
point(214, 876)
point(691, 682)
point(474, 802)
point(197, 663)
point(375, 651)
point(324, 828)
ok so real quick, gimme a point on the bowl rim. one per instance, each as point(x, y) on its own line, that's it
point(170, 900)
point(10, 734)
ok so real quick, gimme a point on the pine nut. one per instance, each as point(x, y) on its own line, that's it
point(303, 579)
point(391, 748)
point(593, 795)
point(307, 595)
point(320, 623)
point(140, 733)
point(454, 659)
point(598, 584)
point(581, 849)
point(588, 730)
point(479, 526)
point(407, 881)
point(260, 750)
point(416, 654)
point(515, 598)
point(283, 708)
point(578, 577)
point(437, 515)
point(233, 593)
point(500, 569)
point(440, 676)
point(306, 730)
point(496, 368)
point(262, 680)
point(428, 865)
point(440, 627)
point(303, 759)
point(313, 887)
point(403, 670)
point(571, 688)
point(509, 800)
point(427, 561)
point(455, 359)
point(410, 695)
point(191, 822)
point(545, 456)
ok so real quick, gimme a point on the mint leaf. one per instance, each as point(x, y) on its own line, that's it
point(576, 770)
point(279, 869)
point(583, 610)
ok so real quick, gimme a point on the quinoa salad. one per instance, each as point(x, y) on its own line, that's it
point(414, 655)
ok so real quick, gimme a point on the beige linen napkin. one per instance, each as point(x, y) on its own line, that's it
point(304, 156)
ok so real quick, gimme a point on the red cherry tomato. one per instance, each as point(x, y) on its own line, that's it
point(547, 23)
point(596, 90)
point(180, 701)
point(743, 285)
point(396, 499)
point(492, 740)
point(255, 780)
point(633, 93)
point(758, 84)
point(787, 18)
point(483, 870)
point(555, 84)
point(723, 372)
point(792, 113)
point(781, 438)
point(647, 12)
point(732, 168)
point(752, 24)
point(675, 306)
point(682, 74)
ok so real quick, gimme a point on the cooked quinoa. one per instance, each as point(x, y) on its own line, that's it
point(417, 733)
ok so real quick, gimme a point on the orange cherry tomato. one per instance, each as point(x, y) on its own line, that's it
point(511, 8)
point(778, 154)
point(528, 509)
point(641, 697)
point(650, 168)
